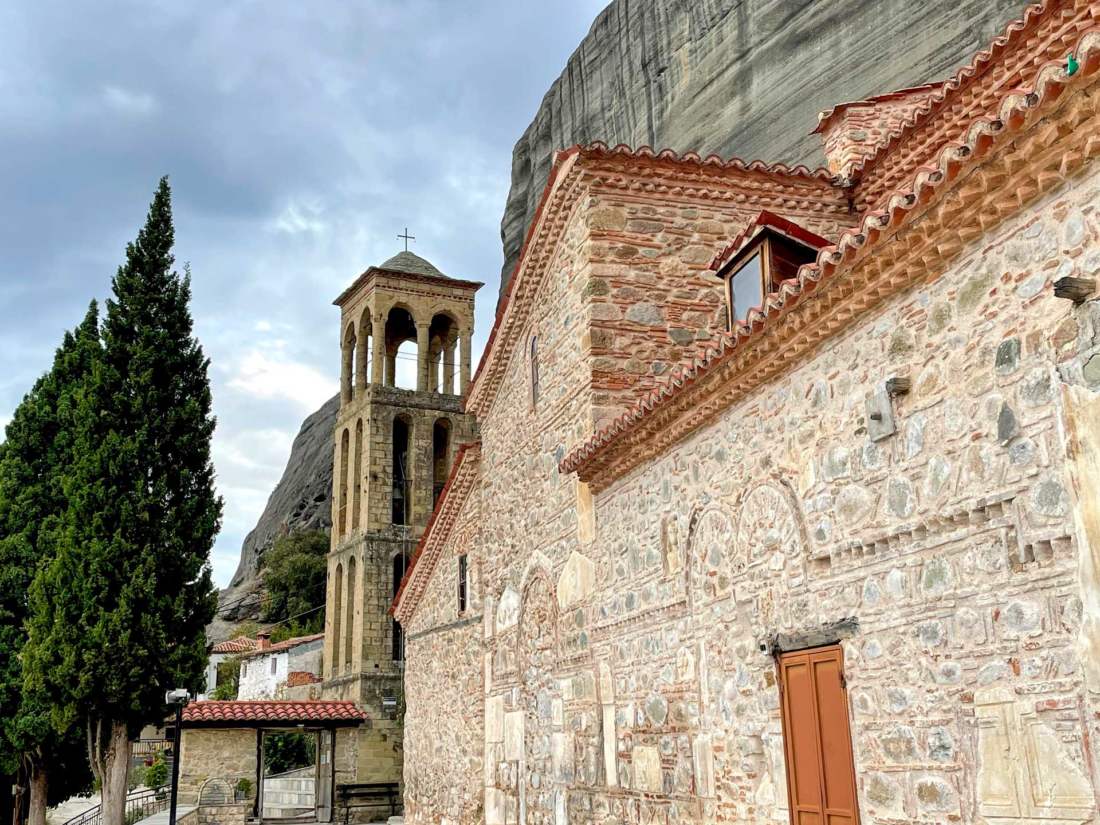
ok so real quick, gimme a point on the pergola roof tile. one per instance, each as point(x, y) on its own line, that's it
point(275, 712)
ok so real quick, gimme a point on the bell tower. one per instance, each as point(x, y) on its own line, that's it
point(405, 337)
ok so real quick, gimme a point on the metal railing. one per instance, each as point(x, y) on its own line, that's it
point(149, 747)
point(139, 805)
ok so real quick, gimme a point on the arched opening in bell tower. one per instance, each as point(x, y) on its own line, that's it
point(350, 620)
point(337, 616)
point(342, 519)
point(441, 454)
point(347, 365)
point(401, 349)
point(357, 474)
point(398, 646)
point(364, 351)
point(402, 488)
point(442, 354)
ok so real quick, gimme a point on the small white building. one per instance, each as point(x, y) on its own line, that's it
point(269, 669)
point(219, 653)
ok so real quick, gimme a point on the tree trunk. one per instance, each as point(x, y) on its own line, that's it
point(116, 764)
point(38, 783)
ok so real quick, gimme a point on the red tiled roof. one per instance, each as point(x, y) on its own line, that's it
point(622, 150)
point(286, 644)
point(1045, 31)
point(900, 94)
point(244, 713)
point(1017, 108)
point(241, 644)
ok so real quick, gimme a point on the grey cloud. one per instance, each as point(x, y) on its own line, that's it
point(300, 139)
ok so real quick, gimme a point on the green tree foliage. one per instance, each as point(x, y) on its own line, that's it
point(37, 449)
point(229, 678)
point(288, 751)
point(119, 614)
point(294, 571)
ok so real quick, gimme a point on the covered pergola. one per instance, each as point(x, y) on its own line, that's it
point(276, 759)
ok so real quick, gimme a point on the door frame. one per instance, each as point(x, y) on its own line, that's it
point(331, 733)
point(261, 733)
point(778, 655)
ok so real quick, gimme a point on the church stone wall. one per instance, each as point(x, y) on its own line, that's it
point(628, 674)
point(945, 558)
point(443, 740)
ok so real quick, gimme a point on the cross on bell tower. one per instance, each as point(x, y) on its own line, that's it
point(407, 237)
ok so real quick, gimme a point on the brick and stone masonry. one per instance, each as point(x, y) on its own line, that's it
point(631, 578)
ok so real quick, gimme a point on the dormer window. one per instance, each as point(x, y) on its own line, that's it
point(767, 253)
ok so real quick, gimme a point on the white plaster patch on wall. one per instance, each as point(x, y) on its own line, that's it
point(647, 768)
point(508, 609)
point(577, 580)
point(513, 735)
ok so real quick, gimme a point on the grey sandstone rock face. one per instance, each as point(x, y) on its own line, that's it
point(736, 77)
point(300, 501)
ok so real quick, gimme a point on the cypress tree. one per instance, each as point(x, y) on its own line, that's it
point(119, 615)
point(37, 449)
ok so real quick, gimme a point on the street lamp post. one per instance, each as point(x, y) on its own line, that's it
point(178, 699)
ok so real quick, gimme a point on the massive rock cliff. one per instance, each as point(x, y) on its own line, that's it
point(300, 501)
point(736, 77)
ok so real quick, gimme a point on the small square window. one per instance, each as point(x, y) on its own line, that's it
point(462, 583)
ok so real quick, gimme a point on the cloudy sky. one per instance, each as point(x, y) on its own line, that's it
point(300, 139)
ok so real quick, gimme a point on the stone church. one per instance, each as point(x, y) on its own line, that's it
point(783, 500)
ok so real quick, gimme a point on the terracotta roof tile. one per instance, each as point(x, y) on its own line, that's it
point(768, 219)
point(286, 644)
point(274, 711)
point(1064, 23)
point(899, 94)
point(241, 644)
point(623, 150)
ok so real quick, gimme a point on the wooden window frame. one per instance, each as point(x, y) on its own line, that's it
point(760, 249)
point(760, 246)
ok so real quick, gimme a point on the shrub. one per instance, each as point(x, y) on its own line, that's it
point(156, 774)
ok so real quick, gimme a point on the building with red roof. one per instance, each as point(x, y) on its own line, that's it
point(783, 504)
point(267, 759)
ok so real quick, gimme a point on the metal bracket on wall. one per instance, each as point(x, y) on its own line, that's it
point(880, 415)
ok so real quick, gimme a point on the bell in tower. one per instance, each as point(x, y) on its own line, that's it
point(405, 335)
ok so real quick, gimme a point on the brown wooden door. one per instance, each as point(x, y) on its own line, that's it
point(821, 780)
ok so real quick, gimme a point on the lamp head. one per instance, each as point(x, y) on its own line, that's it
point(179, 697)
